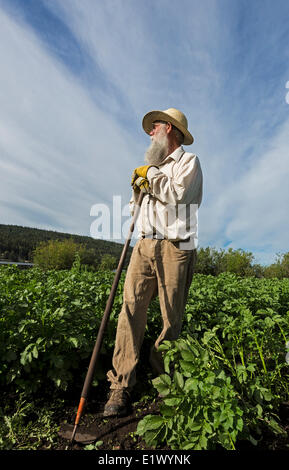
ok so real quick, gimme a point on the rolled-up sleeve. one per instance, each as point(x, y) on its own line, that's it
point(183, 187)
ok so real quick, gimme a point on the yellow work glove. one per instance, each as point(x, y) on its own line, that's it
point(141, 171)
point(141, 184)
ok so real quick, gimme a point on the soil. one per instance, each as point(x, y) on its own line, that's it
point(115, 433)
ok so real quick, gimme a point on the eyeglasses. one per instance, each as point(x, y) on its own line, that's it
point(158, 123)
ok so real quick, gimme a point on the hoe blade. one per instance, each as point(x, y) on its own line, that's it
point(81, 435)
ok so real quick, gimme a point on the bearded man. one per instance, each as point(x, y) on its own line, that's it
point(163, 259)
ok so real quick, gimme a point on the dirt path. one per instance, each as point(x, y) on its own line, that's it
point(114, 433)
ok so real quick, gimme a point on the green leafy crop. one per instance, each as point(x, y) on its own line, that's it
point(227, 375)
point(224, 379)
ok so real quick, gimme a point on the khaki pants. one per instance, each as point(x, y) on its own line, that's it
point(157, 267)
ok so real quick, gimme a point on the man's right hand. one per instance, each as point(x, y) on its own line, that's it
point(141, 184)
point(140, 171)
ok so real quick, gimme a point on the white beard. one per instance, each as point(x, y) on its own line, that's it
point(158, 149)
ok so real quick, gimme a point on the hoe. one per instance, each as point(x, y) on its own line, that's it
point(109, 304)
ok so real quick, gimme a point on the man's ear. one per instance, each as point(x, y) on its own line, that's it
point(169, 127)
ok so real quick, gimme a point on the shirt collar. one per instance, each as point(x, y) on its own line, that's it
point(176, 154)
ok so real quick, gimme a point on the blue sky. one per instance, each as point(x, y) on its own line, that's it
point(77, 77)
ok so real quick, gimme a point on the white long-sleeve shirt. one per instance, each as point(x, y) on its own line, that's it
point(170, 209)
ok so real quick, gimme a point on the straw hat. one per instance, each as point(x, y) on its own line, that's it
point(172, 115)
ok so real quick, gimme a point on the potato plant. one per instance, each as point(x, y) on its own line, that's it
point(49, 322)
point(225, 377)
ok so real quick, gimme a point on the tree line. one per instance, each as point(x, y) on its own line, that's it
point(55, 250)
point(241, 262)
point(18, 243)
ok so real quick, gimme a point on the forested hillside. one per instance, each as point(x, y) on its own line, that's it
point(17, 243)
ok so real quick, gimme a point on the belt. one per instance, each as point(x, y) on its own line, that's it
point(176, 243)
point(153, 237)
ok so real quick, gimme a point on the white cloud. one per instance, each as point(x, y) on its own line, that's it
point(59, 153)
point(154, 54)
point(67, 143)
point(261, 198)
point(254, 209)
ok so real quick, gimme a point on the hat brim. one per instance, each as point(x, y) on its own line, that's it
point(153, 116)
